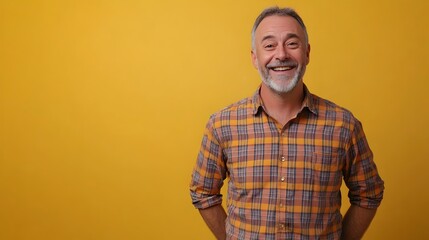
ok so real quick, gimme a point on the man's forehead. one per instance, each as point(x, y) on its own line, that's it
point(274, 24)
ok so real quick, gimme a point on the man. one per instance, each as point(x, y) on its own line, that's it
point(285, 152)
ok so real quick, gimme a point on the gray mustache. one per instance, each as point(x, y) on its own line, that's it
point(283, 64)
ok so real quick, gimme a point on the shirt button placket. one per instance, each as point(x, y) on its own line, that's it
point(282, 188)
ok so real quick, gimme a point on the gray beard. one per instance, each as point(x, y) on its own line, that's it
point(286, 85)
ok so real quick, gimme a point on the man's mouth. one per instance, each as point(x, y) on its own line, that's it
point(281, 68)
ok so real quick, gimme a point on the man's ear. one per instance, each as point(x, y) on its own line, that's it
point(254, 59)
point(308, 53)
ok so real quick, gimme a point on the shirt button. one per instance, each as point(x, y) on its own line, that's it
point(282, 226)
point(282, 179)
point(281, 205)
point(283, 158)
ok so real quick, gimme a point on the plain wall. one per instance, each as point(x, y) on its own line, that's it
point(103, 106)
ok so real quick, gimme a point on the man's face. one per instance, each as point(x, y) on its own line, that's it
point(280, 53)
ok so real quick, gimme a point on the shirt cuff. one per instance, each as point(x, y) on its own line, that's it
point(203, 201)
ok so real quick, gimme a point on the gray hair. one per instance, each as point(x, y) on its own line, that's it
point(276, 11)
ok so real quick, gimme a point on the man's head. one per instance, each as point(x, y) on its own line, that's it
point(280, 49)
point(276, 11)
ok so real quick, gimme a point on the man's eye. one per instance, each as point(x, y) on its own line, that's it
point(292, 44)
point(269, 46)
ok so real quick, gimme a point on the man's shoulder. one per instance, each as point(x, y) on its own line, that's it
point(242, 104)
point(238, 110)
point(330, 110)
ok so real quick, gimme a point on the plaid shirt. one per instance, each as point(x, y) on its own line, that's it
point(284, 182)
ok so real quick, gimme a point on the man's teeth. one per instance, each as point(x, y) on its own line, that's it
point(281, 68)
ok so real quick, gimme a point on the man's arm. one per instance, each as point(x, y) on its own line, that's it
point(215, 219)
point(356, 221)
point(365, 185)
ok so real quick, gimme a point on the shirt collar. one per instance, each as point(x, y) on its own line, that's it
point(308, 102)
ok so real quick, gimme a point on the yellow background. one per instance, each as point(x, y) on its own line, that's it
point(103, 105)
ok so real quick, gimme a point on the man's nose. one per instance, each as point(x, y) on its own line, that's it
point(281, 53)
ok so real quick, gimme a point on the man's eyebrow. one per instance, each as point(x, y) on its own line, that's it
point(292, 35)
point(288, 36)
point(267, 37)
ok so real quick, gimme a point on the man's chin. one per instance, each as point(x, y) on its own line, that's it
point(282, 86)
point(281, 89)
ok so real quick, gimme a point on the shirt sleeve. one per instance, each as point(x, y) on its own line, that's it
point(361, 176)
point(209, 172)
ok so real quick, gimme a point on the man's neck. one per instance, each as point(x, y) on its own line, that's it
point(283, 107)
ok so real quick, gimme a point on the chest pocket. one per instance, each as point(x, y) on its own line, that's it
point(327, 172)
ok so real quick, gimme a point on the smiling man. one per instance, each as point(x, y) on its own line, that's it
point(285, 151)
